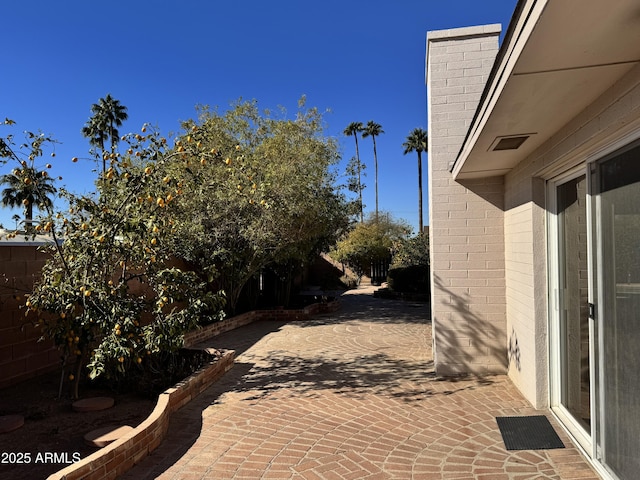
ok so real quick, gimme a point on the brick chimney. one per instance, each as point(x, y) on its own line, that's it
point(466, 217)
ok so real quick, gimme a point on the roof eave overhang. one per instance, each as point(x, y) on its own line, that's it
point(525, 16)
point(556, 59)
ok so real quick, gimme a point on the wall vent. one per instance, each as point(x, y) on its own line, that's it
point(511, 142)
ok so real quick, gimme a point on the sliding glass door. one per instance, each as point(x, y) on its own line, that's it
point(571, 302)
point(616, 217)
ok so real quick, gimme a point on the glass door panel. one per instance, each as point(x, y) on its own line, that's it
point(617, 223)
point(573, 291)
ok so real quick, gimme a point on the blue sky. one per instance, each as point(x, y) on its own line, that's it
point(362, 60)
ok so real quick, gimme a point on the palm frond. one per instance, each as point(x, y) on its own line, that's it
point(417, 141)
point(353, 129)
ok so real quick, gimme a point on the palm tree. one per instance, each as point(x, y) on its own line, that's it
point(27, 187)
point(417, 141)
point(373, 129)
point(352, 129)
point(108, 114)
point(95, 131)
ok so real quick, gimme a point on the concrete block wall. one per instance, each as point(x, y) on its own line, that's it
point(22, 355)
point(466, 218)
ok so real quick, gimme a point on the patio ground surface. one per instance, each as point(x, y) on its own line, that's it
point(350, 395)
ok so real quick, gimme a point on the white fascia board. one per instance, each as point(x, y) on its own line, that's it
point(526, 22)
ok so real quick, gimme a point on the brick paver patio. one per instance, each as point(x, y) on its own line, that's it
point(350, 395)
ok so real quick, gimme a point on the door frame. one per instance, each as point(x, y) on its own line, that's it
point(556, 346)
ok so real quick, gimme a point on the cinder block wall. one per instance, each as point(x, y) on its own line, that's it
point(22, 356)
point(466, 218)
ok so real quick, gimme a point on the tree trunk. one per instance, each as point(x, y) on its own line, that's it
point(355, 135)
point(420, 191)
point(28, 216)
point(375, 159)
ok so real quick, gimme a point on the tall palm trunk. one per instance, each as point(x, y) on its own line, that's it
point(28, 215)
point(420, 191)
point(375, 160)
point(418, 141)
point(352, 129)
point(374, 129)
point(359, 179)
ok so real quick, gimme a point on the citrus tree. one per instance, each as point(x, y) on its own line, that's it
point(111, 293)
point(174, 224)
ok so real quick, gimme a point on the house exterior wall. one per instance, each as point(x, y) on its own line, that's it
point(526, 286)
point(466, 218)
point(488, 246)
point(612, 117)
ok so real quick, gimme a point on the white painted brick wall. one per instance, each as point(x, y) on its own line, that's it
point(488, 294)
point(466, 219)
point(600, 124)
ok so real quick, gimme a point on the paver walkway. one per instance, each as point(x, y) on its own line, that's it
point(350, 395)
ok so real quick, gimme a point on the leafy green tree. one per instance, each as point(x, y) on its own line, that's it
point(373, 130)
point(411, 251)
point(370, 241)
point(175, 225)
point(111, 293)
point(417, 141)
point(409, 269)
point(286, 207)
point(108, 114)
point(353, 129)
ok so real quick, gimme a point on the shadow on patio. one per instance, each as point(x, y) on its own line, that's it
point(354, 389)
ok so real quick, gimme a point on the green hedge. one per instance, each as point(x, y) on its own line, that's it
point(414, 279)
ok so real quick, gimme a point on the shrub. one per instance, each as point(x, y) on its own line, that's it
point(411, 279)
point(370, 241)
point(411, 251)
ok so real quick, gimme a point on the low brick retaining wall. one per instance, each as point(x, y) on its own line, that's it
point(115, 459)
point(210, 331)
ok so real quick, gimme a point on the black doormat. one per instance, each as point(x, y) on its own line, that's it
point(528, 433)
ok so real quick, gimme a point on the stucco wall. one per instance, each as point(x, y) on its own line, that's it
point(465, 218)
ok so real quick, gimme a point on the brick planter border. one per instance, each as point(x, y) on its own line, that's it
point(115, 459)
point(209, 331)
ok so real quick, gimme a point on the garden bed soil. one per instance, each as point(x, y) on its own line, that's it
point(52, 436)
